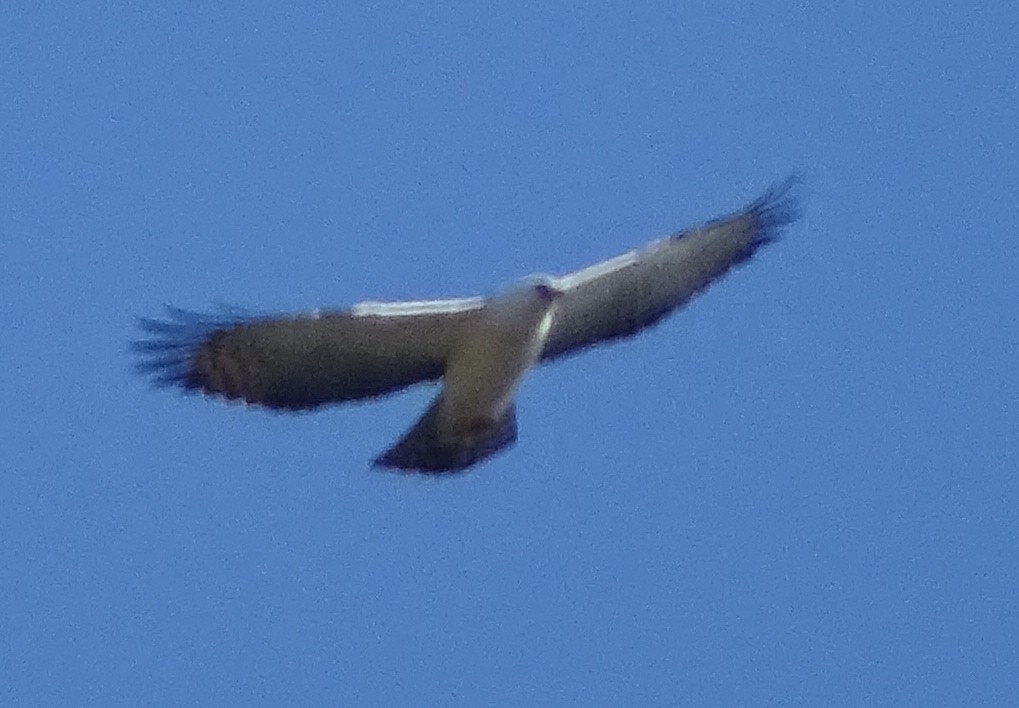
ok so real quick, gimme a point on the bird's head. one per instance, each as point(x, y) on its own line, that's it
point(543, 286)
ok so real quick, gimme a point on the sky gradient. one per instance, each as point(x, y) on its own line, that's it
point(801, 490)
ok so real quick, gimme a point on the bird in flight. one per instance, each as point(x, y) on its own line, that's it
point(479, 347)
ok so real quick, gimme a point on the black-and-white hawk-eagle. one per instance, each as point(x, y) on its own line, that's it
point(479, 347)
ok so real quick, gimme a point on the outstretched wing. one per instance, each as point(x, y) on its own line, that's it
point(620, 297)
point(304, 361)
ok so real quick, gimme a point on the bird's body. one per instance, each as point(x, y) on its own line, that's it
point(484, 371)
point(473, 415)
point(480, 348)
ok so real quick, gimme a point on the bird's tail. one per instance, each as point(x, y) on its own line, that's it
point(430, 448)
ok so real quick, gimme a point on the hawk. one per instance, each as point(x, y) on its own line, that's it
point(479, 347)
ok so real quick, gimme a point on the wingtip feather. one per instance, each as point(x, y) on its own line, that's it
point(778, 207)
point(167, 356)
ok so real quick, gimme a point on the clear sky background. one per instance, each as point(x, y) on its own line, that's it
point(801, 490)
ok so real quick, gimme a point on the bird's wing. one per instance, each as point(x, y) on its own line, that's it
point(619, 297)
point(304, 361)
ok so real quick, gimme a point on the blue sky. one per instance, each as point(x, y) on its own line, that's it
point(801, 490)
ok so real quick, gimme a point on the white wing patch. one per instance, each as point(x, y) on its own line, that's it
point(567, 282)
point(421, 307)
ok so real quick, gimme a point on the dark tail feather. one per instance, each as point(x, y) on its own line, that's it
point(425, 449)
